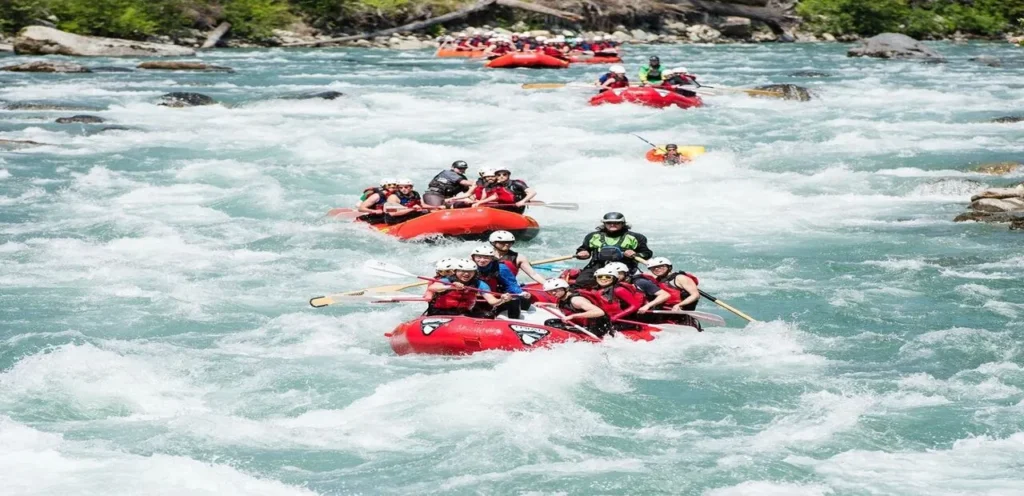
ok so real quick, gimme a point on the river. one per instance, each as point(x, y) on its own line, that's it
point(155, 336)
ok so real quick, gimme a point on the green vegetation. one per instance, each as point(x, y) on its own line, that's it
point(917, 18)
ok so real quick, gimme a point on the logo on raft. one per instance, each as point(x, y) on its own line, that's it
point(529, 335)
point(430, 325)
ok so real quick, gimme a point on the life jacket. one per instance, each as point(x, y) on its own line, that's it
point(611, 249)
point(601, 324)
point(382, 195)
point(553, 52)
point(410, 200)
point(504, 195)
point(617, 82)
point(489, 275)
point(516, 187)
point(509, 259)
point(676, 294)
point(501, 50)
point(447, 183)
point(654, 73)
point(616, 298)
point(457, 298)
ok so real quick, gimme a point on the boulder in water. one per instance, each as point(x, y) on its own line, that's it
point(998, 168)
point(44, 106)
point(181, 99)
point(80, 119)
point(894, 46)
point(1008, 119)
point(41, 40)
point(61, 67)
point(790, 91)
point(810, 74)
point(323, 95)
point(110, 68)
point(178, 65)
point(987, 60)
point(999, 194)
point(6, 143)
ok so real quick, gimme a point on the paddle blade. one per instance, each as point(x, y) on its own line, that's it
point(543, 86)
point(556, 205)
point(343, 213)
point(321, 301)
point(386, 269)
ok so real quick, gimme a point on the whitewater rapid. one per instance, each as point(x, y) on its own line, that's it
point(155, 336)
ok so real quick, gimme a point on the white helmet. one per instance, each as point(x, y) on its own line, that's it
point(447, 263)
point(606, 271)
point(404, 182)
point(618, 69)
point(484, 251)
point(541, 39)
point(553, 284)
point(464, 264)
point(679, 70)
point(668, 72)
point(488, 172)
point(387, 180)
point(618, 267)
point(658, 262)
point(501, 237)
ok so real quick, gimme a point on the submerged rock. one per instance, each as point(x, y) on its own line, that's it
point(791, 91)
point(181, 99)
point(177, 65)
point(109, 68)
point(41, 40)
point(58, 67)
point(810, 74)
point(80, 119)
point(894, 46)
point(323, 95)
point(43, 106)
point(987, 60)
point(6, 143)
point(1008, 119)
point(997, 169)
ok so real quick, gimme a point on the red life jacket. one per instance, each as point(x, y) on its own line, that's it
point(617, 298)
point(501, 50)
point(509, 259)
point(478, 192)
point(676, 294)
point(457, 298)
point(565, 305)
point(552, 51)
point(618, 82)
point(504, 195)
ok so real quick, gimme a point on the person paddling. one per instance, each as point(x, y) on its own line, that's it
point(678, 79)
point(448, 184)
point(616, 298)
point(502, 242)
point(672, 156)
point(521, 192)
point(444, 268)
point(577, 309)
point(405, 202)
point(458, 295)
point(613, 241)
point(373, 200)
point(651, 73)
point(500, 278)
point(678, 291)
point(614, 78)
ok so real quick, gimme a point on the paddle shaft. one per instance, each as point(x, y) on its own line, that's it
point(713, 299)
point(565, 319)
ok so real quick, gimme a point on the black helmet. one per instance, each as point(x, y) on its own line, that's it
point(613, 217)
point(460, 164)
point(670, 146)
point(654, 60)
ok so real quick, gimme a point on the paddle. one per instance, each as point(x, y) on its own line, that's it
point(555, 205)
point(348, 213)
point(555, 86)
point(649, 143)
point(560, 315)
point(710, 318)
point(713, 299)
point(663, 327)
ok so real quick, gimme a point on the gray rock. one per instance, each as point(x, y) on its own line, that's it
point(178, 65)
point(6, 47)
point(790, 91)
point(829, 37)
point(999, 193)
point(44, 106)
point(80, 119)
point(735, 27)
point(987, 60)
point(40, 40)
point(115, 128)
point(110, 68)
point(894, 46)
point(675, 27)
point(701, 33)
point(183, 99)
point(61, 67)
point(639, 34)
point(810, 74)
point(6, 143)
point(323, 95)
point(1008, 119)
point(997, 204)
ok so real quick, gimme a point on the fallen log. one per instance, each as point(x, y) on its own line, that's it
point(451, 16)
point(214, 37)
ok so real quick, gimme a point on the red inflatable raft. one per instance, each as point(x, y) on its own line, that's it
point(449, 53)
point(457, 335)
point(648, 96)
point(595, 59)
point(533, 60)
point(468, 223)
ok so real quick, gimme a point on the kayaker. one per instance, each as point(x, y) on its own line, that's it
point(618, 300)
point(678, 79)
point(577, 309)
point(502, 242)
point(447, 184)
point(613, 241)
point(672, 156)
point(457, 295)
point(373, 200)
point(521, 192)
point(678, 291)
point(614, 78)
point(651, 73)
point(403, 204)
point(500, 278)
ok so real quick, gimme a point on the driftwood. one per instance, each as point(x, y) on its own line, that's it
point(775, 19)
point(451, 16)
point(214, 37)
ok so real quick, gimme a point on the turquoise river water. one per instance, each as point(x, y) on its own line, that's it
point(155, 336)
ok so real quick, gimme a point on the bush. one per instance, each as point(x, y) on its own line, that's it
point(17, 14)
point(935, 18)
point(256, 19)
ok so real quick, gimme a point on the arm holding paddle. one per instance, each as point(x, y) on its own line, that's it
point(530, 194)
point(712, 298)
point(690, 287)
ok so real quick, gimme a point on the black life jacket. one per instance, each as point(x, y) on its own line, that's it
point(448, 183)
point(517, 188)
point(412, 199)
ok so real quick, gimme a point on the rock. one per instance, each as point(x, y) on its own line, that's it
point(114, 128)
point(400, 44)
point(539, 32)
point(179, 65)
point(323, 95)
point(997, 204)
point(791, 91)
point(763, 36)
point(62, 67)
point(998, 168)
point(622, 36)
point(6, 143)
point(30, 106)
point(894, 46)
point(180, 99)
point(568, 34)
point(806, 38)
point(80, 119)
point(1017, 225)
point(40, 40)
point(1008, 119)
point(639, 35)
point(284, 37)
point(987, 60)
point(6, 47)
point(701, 33)
point(810, 74)
point(362, 43)
point(109, 68)
point(828, 37)
point(999, 193)
point(985, 217)
point(848, 38)
point(675, 27)
point(735, 27)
